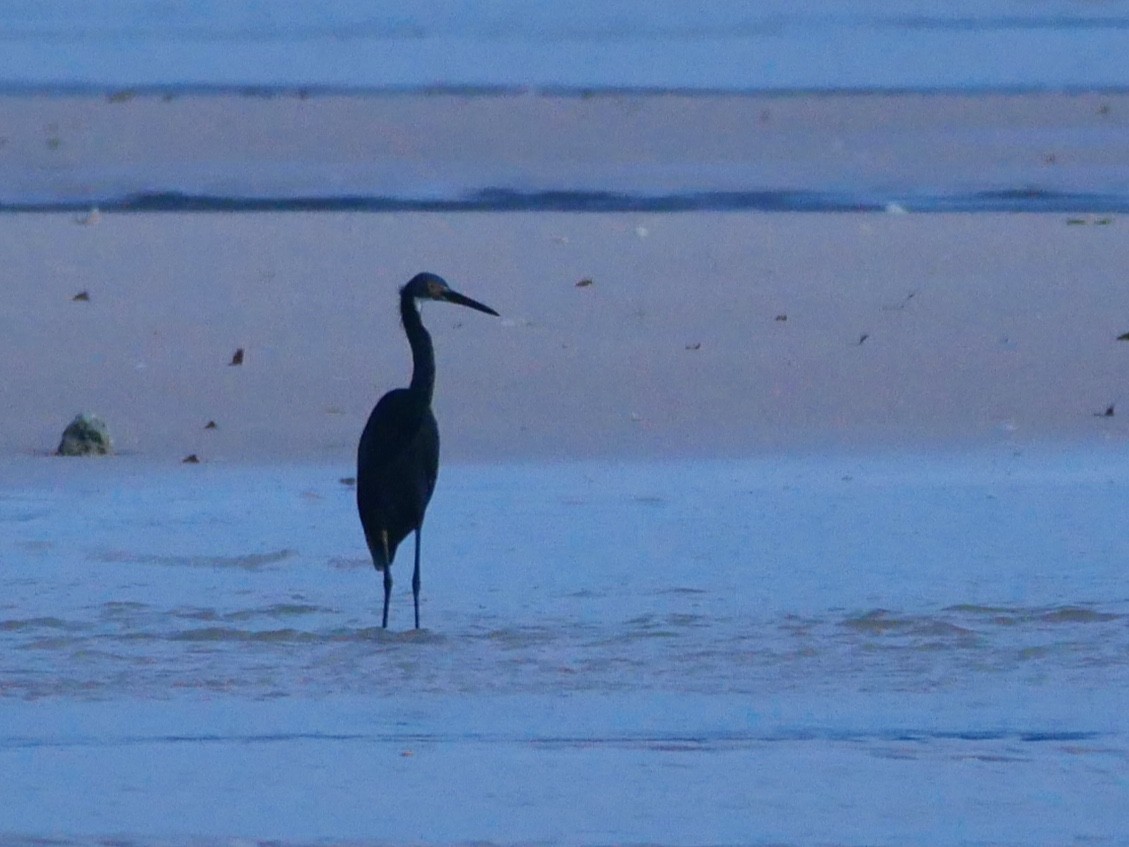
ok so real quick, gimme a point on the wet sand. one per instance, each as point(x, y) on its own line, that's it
point(433, 146)
point(700, 334)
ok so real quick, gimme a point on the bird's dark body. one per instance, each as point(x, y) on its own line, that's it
point(397, 465)
point(398, 455)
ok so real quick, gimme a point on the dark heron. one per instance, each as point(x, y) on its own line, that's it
point(398, 457)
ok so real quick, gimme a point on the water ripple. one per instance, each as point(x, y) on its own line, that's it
point(247, 561)
point(291, 645)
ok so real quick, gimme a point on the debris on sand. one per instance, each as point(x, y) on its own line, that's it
point(86, 435)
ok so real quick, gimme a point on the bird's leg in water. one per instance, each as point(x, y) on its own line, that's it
point(398, 454)
point(415, 579)
point(387, 576)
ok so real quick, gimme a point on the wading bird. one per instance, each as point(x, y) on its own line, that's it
point(398, 456)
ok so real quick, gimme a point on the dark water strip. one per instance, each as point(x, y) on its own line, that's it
point(171, 91)
point(505, 200)
point(646, 741)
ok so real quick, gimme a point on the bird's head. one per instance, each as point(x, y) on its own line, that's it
point(429, 286)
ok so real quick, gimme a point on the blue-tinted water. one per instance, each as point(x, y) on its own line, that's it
point(726, 45)
point(835, 650)
point(124, 47)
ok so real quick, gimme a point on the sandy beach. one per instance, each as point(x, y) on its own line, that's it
point(919, 149)
point(700, 334)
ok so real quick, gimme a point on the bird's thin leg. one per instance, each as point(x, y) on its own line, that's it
point(387, 577)
point(415, 578)
point(387, 592)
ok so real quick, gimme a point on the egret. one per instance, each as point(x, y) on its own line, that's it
point(398, 455)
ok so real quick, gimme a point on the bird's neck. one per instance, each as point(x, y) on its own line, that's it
point(423, 356)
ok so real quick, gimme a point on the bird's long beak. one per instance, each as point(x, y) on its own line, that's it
point(462, 300)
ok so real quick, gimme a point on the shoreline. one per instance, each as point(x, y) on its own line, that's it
point(120, 93)
point(1081, 460)
point(587, 202)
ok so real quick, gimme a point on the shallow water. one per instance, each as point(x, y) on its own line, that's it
point(722, 45)
point(833, 649)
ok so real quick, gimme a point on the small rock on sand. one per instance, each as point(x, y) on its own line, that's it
point(86, 435)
